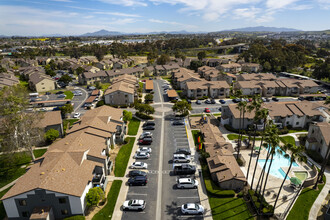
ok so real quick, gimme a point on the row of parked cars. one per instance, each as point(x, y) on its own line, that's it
point(137, 177)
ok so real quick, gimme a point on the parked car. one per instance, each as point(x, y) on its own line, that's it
point(207, 110)
point(185, 151)
point(275, 99)
point(61, 96)
point(150, 127)
point(178, 122)
point(141, 155)
point(134, 204)
point(189, 101)
point(250, 99)
point(146, 133)
point(187, 183)
point(148, 123)
point(198, 102)
point(181, 158)
point(263, 99)
point(137, 173)
point(183, 169)
point(207, 101)
point(77, 115)
point(139, 165)
point(48, 93)
point(192, 209)
point(59, 92)
point(144, 136)
point(144, 149)
point(267, 99)
point(212, 101)
point(145, 141)
point(222, 101)
point(301, 98)
point(138, 181)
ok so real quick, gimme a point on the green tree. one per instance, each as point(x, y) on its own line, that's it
point(98, 85)
point(19, 130)
point(80, 70)
point(127, 115)
point(145, 108)
point(183, 107)
point(201, 55)
point(66, 109)
point(51, 135)
point(163, 59)
point(195, 64)
point(49, 71)
point(148, 98)
point(2, 69)
point(242, 109)
point(93, 196)
point(65, 79)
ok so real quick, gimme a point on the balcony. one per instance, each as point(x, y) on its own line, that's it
point(97, 178)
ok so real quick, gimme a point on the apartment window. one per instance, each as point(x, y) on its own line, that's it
point(313, 131)
point(64, 211)
point(321, 141)
point(25, 214)
point(62, 200)
point(22, 202)
point(297, 123)
point(287, 122)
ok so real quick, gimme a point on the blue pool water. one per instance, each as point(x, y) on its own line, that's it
point(278, 162)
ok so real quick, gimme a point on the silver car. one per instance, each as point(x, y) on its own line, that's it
point(187, 183)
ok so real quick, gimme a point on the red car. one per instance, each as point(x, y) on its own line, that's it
point(207, 110)
point(250, 100)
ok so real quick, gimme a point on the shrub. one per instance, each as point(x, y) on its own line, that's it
point(230, 128)
point(240, 194)
point(100, 103)
point(239, 161)
point(51, 135)
point(143, 116)
point(302, 139)
point(205, 97)
point(314, 155)
point(93, 196)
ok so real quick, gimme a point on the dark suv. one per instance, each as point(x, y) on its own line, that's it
point(183, 169)
point(133, 173)
point(138, 181)
point(185, 151)
point(148, 123)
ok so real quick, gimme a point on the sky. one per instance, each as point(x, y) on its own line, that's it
point(75, 17)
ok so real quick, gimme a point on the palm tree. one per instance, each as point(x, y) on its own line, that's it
point(255, 105)
point(263, 114)
point(242, 109)
point(274, 142)
point(296, 155)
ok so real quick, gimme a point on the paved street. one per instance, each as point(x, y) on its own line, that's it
point(162, 198)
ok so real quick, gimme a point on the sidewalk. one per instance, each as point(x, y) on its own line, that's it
point(201, 186)
point(117, 213)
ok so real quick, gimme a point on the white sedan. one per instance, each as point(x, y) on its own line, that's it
point(144, 149)
point(139, 165)
point(134, 204)
point(77, 115)
point(142, 155)
point(192, 208)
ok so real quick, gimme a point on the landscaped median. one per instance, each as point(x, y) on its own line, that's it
point(133, 126)
point(107, 210)
point(123, 157)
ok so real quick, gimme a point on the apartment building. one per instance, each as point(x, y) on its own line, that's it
point(318, 138)
point(212, 89)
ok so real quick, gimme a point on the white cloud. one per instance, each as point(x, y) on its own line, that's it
point(125, 2)
point(247, 13)
point(118, 14)
point(181, 25)
point(324, 4)
point(279, 4)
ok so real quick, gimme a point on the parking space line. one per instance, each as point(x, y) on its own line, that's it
point(136, 194)
point(188, 197)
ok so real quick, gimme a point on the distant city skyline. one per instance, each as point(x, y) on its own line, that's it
point(76, 17)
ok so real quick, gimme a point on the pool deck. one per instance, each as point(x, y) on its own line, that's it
point(273, 183)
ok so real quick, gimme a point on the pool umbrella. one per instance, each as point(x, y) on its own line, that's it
point(256, 148)
point(295, 180)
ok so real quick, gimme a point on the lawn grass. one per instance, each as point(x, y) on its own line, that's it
point(12, 166)
point(288, 140)
point(105, 86)
point(107, 210)
point(235, 137)
point(133, 126)
point(294, 131)
point(304, 203)
point(69, 94)
point(229, 208)
point(24, 83)
point(2, 208)
point(123, 157)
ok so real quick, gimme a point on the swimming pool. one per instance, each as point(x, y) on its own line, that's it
point(302, 175)
point(278, 162)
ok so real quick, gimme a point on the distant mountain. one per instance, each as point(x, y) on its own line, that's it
point(101, 33)
point(263, 29)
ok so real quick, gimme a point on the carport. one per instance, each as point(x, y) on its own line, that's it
point(149, 86)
